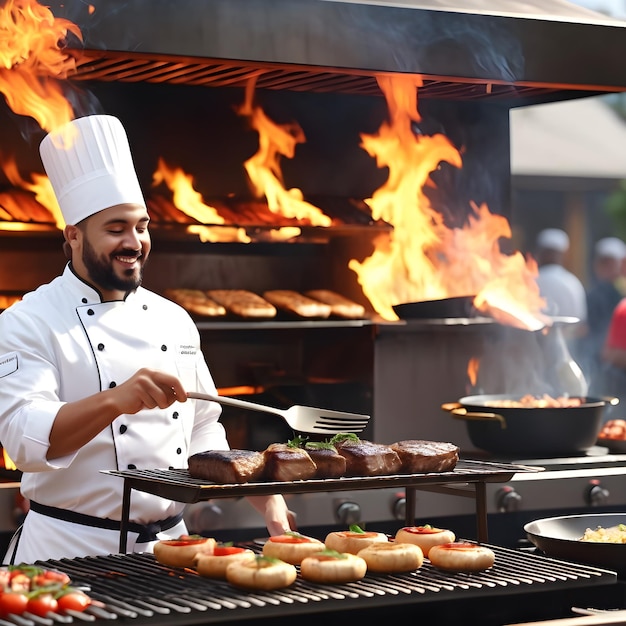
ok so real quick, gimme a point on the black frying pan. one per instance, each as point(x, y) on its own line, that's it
point(458, 306)
point(559, 537)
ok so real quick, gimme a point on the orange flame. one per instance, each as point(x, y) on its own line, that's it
point(472, 370)
point(423, 259)
point(40, 187)
point(31, 59)
point(190, 201)
point(8, 463)
point(263, 168)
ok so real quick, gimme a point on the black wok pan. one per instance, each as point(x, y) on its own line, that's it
point(559, 537)
point(457, 306)
point(530, 431)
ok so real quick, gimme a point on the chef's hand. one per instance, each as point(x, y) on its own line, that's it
point(278, 518)
point(78, 422)
point(147, 389)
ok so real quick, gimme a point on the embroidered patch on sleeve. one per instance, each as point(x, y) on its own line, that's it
point(8, 364)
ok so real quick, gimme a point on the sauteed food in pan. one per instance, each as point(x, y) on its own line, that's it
point(536, 402)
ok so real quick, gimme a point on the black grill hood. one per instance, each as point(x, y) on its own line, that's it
point(512, 51)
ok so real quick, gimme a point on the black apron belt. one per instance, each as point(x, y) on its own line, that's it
point(146, 532)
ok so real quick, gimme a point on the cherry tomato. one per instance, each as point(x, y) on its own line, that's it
point(73, 600)
point(50, 577)
point(5, 577)
point(12, 602)
point(423, 530)
point(42, 604)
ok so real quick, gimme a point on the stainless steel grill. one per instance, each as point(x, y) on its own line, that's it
point(135, 587)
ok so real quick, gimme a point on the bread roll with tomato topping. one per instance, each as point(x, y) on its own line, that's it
point(389, 557)
point(461, 556)
point(425, 536)
point(214, 565)
point(263, 573)
point(330, 566)
point(291, 547)
point(352, 541)
point(182, 552)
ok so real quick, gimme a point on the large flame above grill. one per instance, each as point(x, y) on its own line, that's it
point(421, 259)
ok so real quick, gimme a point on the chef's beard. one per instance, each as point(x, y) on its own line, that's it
point(101, 271)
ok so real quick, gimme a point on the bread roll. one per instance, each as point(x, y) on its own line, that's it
point(196, 301)
point(262, 573)
point(461, 556)
point(352, 541)
point(330, 566)
point(340, 306)
point(389, 557)
point(214, 565)
point(294, 302)
point(424, 536)
point(291, 547)
point(243, 303)
point(182, 552)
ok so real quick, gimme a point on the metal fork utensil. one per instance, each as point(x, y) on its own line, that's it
point(304, 419)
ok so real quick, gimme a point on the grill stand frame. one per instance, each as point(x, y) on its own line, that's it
point(468, 479)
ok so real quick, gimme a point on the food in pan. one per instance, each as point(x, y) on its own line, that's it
point(286, 462)
point(353, 540)
point(425, 536)
point(333, 567)
point(461, 556)
point(330, 464)
point(227, 466)
point(291, 547)
point(365, 458)
point(537, 402)
point(296, 303)
point(390, 557)
point(340, 306)
point(419, 456)
point(33, 589)
point(196, 301)
point(613, 534)
point(264, 573)
point(614, 429)
point(243, 303)
point(181, 552)
point(214, 565)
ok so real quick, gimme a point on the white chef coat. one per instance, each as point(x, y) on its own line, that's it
point(61, 343)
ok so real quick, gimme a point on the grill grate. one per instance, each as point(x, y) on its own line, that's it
point(110, 66)
point(177, 484)
point(138, 588)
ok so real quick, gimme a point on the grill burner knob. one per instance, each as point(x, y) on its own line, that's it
point(596, 494)
point(398, 506)
point(508, 500)
point(348, 513)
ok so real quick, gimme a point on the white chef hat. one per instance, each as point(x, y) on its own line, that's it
point(553, 239)
point(611, 247)
point(90, 166)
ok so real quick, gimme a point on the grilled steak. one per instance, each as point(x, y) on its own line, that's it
point(286, 463)
point(330, 464)
point(227, 466)
point(364, 458)
point(419, 457)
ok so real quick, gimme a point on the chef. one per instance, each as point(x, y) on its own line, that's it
point(94, 368)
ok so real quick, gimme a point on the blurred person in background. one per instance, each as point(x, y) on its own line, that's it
point(613, 357)
point(564, 292)
point(603, 296)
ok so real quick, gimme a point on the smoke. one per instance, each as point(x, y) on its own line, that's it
point(430, 41)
